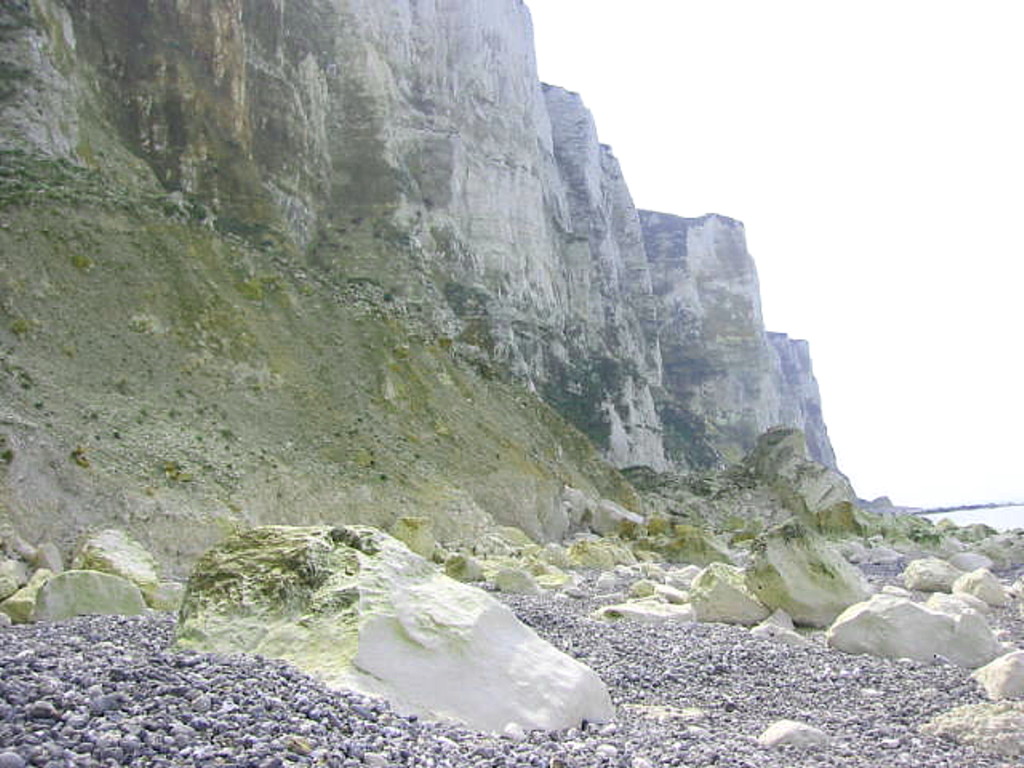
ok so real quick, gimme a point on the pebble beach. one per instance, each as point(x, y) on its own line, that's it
point(111, 691)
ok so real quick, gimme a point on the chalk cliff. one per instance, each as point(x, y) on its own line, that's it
point(270, 261)
point(725, 380)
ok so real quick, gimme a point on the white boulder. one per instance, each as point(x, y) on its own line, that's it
point(113, 551)
point(983, 585)
point(609, 517)
point(87, 593)
point(895, 627)
point(682, 578)
point(930, 574)
point(970, 561)
point(769, 630)
point(671, 594)
point(356, 608)
point(956, 604)
point(1003, 678)
point(790, 733)
point(646, 611)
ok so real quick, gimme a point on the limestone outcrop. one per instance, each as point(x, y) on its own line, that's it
point(358, 609)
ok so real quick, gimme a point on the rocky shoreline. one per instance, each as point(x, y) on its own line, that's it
point(108, 691)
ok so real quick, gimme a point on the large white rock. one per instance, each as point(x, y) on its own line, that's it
point(115, 552)
point(682, 578)
point(646, 611)
point(796, 570)
point(956, 604)
point(769, 630)
point(1004, 677)
point(970, 561)
point(895, 627)
point(930, 574)
point(991, 727)
point(671, 594)
point(86, 593)
point(790, 733)
point(359, 610)
point(609, 518)
point(720, 594)
point(983, 585)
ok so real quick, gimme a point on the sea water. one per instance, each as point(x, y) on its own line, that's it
point(1000, 518)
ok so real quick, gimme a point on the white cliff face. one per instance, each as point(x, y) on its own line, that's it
point(726, 380)
point(410, 144)
point(718, 366)
point(800, 397)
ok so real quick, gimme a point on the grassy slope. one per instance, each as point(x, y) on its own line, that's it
point(158, 375)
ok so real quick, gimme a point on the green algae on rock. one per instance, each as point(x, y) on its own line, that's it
point(795, 569)
point(358, 609)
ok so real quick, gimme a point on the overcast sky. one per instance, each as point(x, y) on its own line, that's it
point(874, 152)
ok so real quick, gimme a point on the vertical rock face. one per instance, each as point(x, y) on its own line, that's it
point(718, 367)
point(611, 315)
point(726, 380)
point(404, 150)
point(800, 398)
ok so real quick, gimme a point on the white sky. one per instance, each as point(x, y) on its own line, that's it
point(873, 149)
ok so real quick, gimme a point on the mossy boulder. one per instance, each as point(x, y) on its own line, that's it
point(517, 581)
point(600, 553)
point(1005, 549)
point(13, 576)
point(21, 606)
point(358, 609)
point(782, 461)
point(167, 596)
point(417, 533)
point(87, 593)
point(720, 594)
point(795, 569)
point(689, 544)
point(114, 552)
point(846, 519)
point(463, 567)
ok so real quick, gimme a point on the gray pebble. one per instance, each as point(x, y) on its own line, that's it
point(107, 690)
